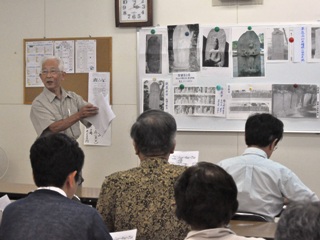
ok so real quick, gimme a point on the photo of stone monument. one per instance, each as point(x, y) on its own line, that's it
point(153, 94)
point(248, 55)
point(277, 44)
point(154, 53)
point(183, 48)
point(315, 43)
point(215, 49)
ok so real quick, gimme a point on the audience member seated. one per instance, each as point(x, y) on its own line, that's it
point(299, 221)
point(49, 212)
point(206, 199)
point(142, 198)
point(264, 185)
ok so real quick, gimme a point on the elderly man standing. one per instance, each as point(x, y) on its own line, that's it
point(55, 109)
point(142, 198)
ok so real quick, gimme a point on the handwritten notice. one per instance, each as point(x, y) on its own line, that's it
point(184, 158)
point(99, 90)
point(299, 54)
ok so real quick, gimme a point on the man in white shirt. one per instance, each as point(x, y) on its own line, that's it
point(263, 185)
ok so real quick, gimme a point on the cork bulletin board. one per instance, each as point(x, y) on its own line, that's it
point(76, 82)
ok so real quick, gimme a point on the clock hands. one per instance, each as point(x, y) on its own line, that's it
point(136, 5)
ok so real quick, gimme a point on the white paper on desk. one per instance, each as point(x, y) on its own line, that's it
point(4, 201)
point(124, 235)
point(184, 158)
point(102, 120)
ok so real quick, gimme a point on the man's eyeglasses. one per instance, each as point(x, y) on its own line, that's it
point(80, 179)
point(52, 72)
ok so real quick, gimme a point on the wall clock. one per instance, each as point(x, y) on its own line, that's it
point(133, 13)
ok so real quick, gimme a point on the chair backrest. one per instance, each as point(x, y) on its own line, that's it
point(248, 216)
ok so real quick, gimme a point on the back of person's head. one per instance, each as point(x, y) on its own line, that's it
point(299, 221)
point(154, 133)
point(206, 196)
point(53, 158)
point(262, 129)
point(58, 59)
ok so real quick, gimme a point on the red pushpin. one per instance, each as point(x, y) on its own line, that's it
point(291, 39)
point(295, 85)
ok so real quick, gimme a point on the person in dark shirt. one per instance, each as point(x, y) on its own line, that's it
point(49, 212)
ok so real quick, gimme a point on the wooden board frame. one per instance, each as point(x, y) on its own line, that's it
point(76, 82)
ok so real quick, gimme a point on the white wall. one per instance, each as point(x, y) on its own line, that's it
point(20, 19)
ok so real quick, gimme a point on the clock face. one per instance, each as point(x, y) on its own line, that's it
point(133, 11)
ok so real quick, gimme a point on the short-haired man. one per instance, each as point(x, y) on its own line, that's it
point(142, 198)
point(49, 212)
point(263, 185)
point(55, 109)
